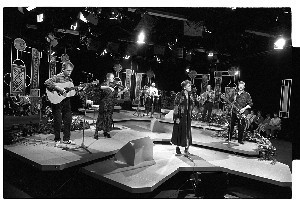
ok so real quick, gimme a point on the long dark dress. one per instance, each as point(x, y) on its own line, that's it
point(106, 108)
point(182, 135)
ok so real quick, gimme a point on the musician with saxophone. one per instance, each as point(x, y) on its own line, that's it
point(243, 101)
point(62, 110)
point(110, 89)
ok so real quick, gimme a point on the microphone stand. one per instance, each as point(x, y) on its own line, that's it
point(82, 146)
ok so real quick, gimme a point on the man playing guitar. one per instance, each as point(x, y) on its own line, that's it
point(243, 101)
point(62, 110)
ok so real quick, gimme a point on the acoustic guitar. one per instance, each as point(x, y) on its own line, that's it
point(56, 97)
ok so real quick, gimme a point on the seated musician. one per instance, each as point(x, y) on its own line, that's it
point(262, 125)
point(16, 105)
point(273, 126)
point(26, 103)
point(250, 118)
point(256, 121)
point(8, 105)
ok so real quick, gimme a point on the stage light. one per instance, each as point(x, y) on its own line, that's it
point(210, 54)
point(52, 39)
point(81, 17)
point(78, 48)
point(141, 38)
point(104, 52)
point(126, 57)
point(187, 70)
point(74, 27)
point(279, 44)
point(40, 18)
point(30, 8)
point(158, 59)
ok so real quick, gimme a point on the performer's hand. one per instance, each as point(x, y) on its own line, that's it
point(177, 120)
point(112, 89)
point(61, 90)
point(242, 110)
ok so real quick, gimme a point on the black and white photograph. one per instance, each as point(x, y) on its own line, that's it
point(167, 100)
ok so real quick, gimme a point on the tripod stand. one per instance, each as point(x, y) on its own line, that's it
point(83, 126)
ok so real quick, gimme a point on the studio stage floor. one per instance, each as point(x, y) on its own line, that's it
point(208, 153)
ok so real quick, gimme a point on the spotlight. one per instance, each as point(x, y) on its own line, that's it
point(104, 52)
point(141, 38)
point(279, 44)
point(126, 57)
point(74, 27)
point(40, 18)
point(158, 59)
point(81, 17)
point(30, 8)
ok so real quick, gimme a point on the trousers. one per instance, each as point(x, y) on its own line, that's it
point(62, 113)
point(241, 126)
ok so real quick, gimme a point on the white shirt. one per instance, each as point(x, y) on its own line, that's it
point(153, 91)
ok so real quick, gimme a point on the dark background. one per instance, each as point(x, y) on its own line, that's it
point(261, 67)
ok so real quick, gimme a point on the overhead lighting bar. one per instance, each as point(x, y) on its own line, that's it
point(260, 33)
point(161, 14)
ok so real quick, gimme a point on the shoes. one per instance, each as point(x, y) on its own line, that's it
point(69, 142)
point(241, 142)
point(186, 152)
point(107, 135)
point(96, 136)
point(178, 152)
point(57, 142)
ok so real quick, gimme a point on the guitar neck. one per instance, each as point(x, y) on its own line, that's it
point(231, 103)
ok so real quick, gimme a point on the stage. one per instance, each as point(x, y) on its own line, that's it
point(208, 153)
